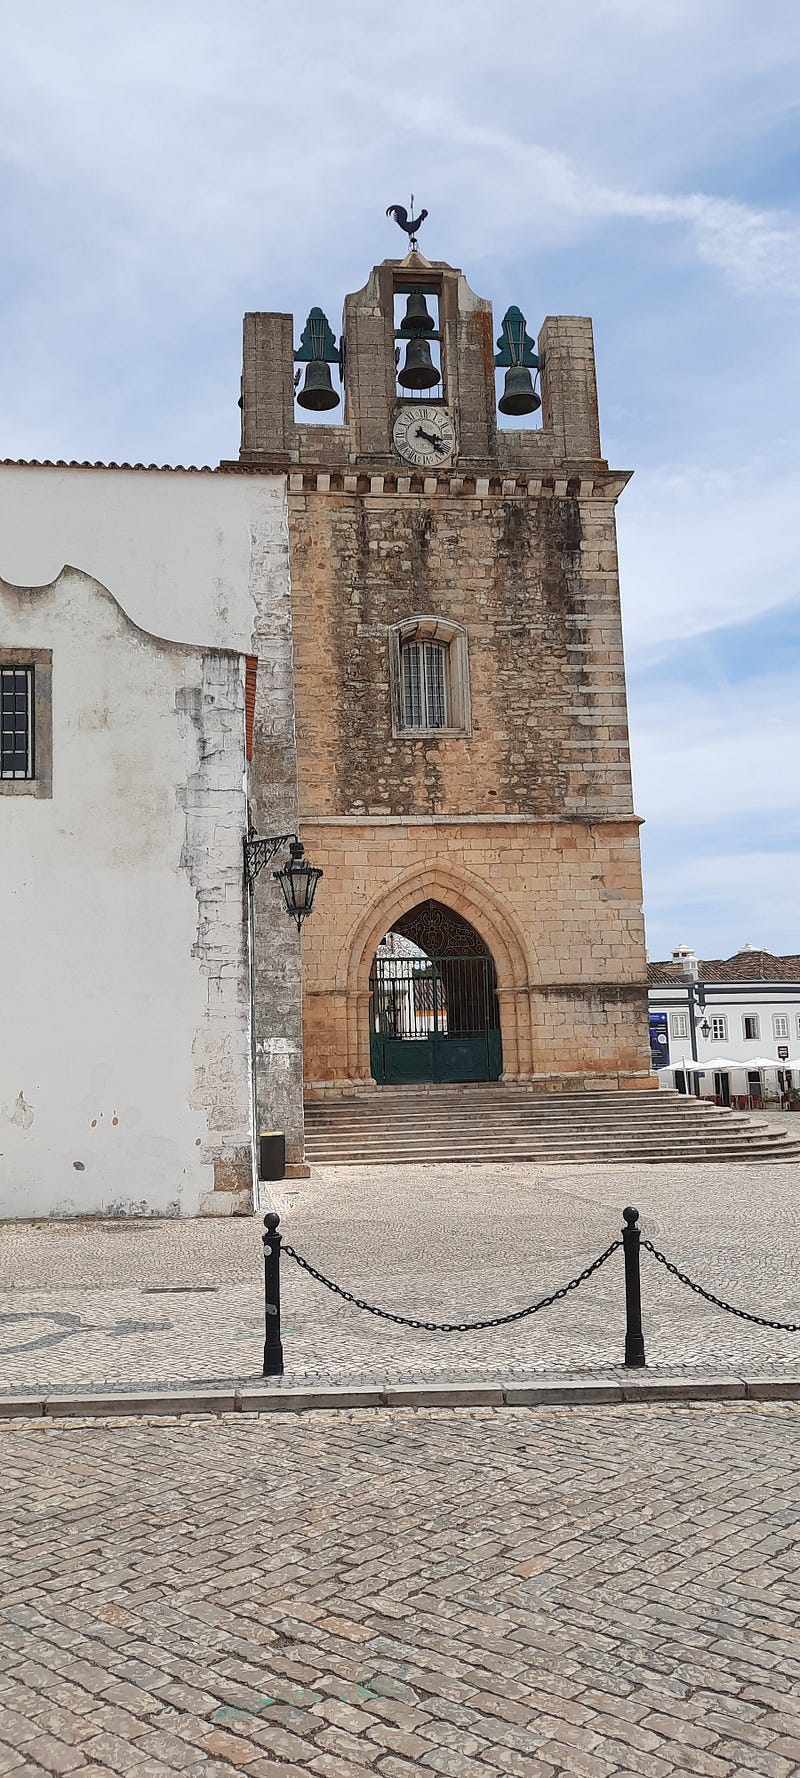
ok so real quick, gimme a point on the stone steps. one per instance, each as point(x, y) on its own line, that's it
point(464, 1124)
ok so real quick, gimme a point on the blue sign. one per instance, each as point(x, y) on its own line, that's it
point(659, 1040)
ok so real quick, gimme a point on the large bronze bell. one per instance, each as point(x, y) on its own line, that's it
point(416, 319)
point(318, 391)
point(419, 370)
point(519, 395)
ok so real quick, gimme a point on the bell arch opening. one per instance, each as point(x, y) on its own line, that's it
point(433, 1008)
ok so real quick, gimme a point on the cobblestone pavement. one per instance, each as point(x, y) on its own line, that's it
point(143, 1304)
point(471, 1593)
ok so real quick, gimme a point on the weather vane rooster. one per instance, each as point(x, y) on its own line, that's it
point(409, 225)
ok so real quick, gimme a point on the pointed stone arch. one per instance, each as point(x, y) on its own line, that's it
point(491, 918)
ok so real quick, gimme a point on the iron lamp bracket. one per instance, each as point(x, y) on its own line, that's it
point(260, 852)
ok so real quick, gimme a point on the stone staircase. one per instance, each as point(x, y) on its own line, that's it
point(492, 1122)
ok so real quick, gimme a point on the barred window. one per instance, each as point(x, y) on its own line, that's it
point(16, 722)
point(423, 667)
point(429, 677)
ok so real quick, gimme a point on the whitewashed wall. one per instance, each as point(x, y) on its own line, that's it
point(184, 552)
point(125, 1076)
point(763, 999)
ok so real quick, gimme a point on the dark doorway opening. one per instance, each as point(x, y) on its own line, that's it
point(434, 1013)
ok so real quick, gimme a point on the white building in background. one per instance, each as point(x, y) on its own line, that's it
point(133, 603)
point(741, 1017)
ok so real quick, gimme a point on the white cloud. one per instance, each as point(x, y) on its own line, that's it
point(726, 751)
point(703, 549)
point(723, 900)
point(715, 777)
point(246, 125)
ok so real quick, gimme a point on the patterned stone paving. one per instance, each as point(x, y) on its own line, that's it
point(593, 1593)
point(138, 1304)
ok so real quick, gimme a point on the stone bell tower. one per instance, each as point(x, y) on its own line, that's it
point(462, 739)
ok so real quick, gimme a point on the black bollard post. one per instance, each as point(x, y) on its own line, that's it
point(273, 1350)
point(634, 1338)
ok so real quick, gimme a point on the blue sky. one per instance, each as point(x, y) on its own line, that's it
point(167, 164)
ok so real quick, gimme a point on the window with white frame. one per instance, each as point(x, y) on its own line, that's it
point(680, 1024)
point(719, 1029)
point(780, 1024)
point(429, 677)
point(751, 1027)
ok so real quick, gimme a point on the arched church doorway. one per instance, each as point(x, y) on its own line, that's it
point(433, 1006)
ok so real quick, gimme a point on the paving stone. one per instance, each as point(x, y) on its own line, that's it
point(419, 1240)
point(610, 1590)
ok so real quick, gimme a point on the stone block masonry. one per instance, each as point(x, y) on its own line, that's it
point(518, 814)
point(549, 847)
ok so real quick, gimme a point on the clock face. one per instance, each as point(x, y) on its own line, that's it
point(424, 435)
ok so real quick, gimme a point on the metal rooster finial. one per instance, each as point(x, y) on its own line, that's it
point(408, 224)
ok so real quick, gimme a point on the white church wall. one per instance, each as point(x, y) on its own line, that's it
point(125, 1068)
point(184, 552)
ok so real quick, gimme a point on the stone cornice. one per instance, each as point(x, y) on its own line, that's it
point(589, 819)
point(493, 484)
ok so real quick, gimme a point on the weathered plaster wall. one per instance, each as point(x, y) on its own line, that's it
point(277, 976)
point(124, 1050)
point(126, 889)
point(176, 547)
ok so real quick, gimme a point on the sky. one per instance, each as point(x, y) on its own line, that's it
point(167, 164)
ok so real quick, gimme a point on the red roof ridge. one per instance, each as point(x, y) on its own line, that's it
point(743, 966)
point(74, 463)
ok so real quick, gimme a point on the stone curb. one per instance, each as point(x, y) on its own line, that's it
point(630, 1390)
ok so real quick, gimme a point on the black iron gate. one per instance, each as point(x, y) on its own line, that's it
point(434, 1019)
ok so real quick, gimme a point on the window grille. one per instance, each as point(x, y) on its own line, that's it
point(680, 1024)
point(780, 1024)
point(751, 1026)
point(16, 722)
point(423, 667)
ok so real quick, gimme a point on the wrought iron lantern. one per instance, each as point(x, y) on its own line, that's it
point(298, 880)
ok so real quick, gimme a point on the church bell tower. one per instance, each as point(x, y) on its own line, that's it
point(462, 743)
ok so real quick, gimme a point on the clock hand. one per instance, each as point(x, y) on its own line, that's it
point(430, 439)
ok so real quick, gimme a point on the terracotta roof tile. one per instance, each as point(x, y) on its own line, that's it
point(744, 966)
point(72, 463)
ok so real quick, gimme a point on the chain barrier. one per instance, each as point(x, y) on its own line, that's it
point(743, 1314)
point(451, 1326)
point(631, 1241)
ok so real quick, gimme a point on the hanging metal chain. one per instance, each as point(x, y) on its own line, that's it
point(743, 1314)
point(451, 1326)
